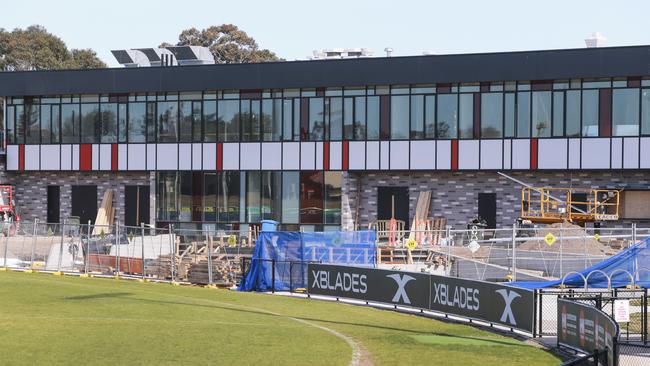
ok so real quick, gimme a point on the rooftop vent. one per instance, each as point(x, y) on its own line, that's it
point(595, 40)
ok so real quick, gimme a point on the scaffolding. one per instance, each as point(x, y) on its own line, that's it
point(552, 205)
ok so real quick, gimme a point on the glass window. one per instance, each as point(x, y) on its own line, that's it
point(90, 125)
point(151, 122)
point(523, 114)
point(33, 130)
point(542, 114)
point(56, 122)
point(46, 123)
point(287, 120)
point(311, 197)
point(20, 124)
point(296, 120)
point(11, 125)
point(447, 121)
point(166, 191)
point(645, 112)
point(108, 118)
point(228, 120)
point(509, 115)
point(590, 113)
point(417, 117)
point(372, 118)
point(185, 121)
point(290, 197)
point(491, 115)
point(121, 122)
point(333, 198)
point(185, 197)
point(466, 116)
point(625, 112)
point(210, 190)
point(399, 117)
point(316, 120)
point(210, 121)
point(335, 118)
point(253, 196)
point(167, 121)
point(348, 119)
point(573, 113)
point(69, 123)
point(271, 195)
point(430, 116)
point(271, 119)
point(137, 122)
point(558, 113)
point(250, 120)
point(228, 201)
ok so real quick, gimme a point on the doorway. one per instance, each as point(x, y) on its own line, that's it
point(389, 197)
point(487, 209)
point(84, 203)
point(53, 204)
point(136, 205)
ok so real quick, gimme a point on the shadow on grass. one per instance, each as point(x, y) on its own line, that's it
point(106, 295)
point(360, 325)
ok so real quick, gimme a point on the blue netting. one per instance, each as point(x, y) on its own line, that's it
point(291, 251)
point(634, 260)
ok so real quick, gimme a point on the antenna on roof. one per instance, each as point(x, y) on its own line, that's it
point(595, 40)
point(389, 51)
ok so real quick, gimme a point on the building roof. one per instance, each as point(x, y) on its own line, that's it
point(478, 67)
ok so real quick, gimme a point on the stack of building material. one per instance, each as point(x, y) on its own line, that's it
point(105, 214)
point(224, 270)
point(419, 221)
point(162, 267)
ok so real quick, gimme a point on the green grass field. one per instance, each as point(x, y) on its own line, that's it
point(50, 320)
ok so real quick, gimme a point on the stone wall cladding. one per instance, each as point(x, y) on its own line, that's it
point(455, 194)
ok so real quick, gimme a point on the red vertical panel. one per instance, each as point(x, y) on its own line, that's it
point(114, 157)
point(219, 156)
point(85, 157)
point(326, 155)
point(605, 112)
point(533, 154)
point(21, 157)
point(346, 155)
point(454, 154)
point(477, 115)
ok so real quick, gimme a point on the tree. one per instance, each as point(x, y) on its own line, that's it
point(228, 44)
point(34, 48)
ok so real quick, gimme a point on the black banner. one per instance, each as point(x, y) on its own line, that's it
point(486, 301)
point(585, 328)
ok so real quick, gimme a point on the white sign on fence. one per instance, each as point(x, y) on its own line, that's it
point(622, 311)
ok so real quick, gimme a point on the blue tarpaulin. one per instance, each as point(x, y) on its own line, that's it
point(634, 261)
point(289, 253)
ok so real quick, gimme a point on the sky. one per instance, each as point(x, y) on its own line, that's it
point(293, 29)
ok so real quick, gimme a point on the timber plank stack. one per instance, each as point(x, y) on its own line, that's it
point(105, 214)
point(162, 267)
point(419, 223)
point(224, 271)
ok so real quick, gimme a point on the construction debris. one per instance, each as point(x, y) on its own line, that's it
point(574, 239)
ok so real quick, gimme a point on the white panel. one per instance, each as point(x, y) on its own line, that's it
point(271, 156)
point(105, 157)
point(468, 154)
point(595, 153)
point(443, 154)
point(372, 155)
point(307, 155)
point(520, 154)
point(384, 155)
point(552, 153)
point(631, 153)
point(209, 156)
point(507, 161)
point(66, 157)
point(357, 155)
point(75, 157)
point(423, 155)
point(95, 157)
point(491, 154)
point(50, 157)
point(250, 156)
point(319, 155)
point(167, 157)
point(197, 157)
point(151, 156)
point(617, 153)
point(574, 153)
point(137, 156)
point(399, 155)
point(184, 156)
point(230, 158)
point(336, 155)
point(291, 156)
point(12, 157)
point(644, 142)
point(32, 157)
